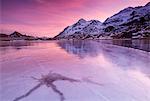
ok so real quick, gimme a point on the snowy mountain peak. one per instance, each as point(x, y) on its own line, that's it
point(127, 14)
point(95, 22)
point(16, 34)
point(148, 4)
point(82, 27)
point(126, 10)
point(82, 20)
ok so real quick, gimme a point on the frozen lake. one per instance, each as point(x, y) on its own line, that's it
point(73, 71)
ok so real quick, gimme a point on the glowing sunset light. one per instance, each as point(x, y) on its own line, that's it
point(49, 17)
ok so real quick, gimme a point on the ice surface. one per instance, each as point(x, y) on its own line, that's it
point(106, 72)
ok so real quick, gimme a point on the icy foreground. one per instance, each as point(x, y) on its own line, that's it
point(81, 71)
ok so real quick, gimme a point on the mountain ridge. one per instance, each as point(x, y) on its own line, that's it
point(18, 36)
point(131, 22)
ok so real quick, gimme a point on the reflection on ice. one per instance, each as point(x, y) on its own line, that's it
point(126, 58)
point(79, 47)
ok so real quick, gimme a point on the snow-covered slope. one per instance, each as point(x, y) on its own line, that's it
point(128, 14)
point(119, 18)
point(81, 28)
point(131, 22)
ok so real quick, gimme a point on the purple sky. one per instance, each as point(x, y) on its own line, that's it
point(49, 17)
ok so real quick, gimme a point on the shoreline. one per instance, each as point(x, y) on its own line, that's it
point(140, 44)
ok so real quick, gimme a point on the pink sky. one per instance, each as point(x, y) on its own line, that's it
point(49, 17)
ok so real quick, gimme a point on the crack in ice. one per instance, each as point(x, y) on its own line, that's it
point(28, 93)
point(92, 82)
point(49, 79)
